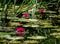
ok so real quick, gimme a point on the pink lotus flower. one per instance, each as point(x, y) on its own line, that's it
point(19, 31)
point(41, 10)
point(25, 15)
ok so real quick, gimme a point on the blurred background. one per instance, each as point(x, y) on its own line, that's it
point(40, 20)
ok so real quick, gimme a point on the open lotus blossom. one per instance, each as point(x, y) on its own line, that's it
point(20, 31)
point(25, 15)
point(41, 10)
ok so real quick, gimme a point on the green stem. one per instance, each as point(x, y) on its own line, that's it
point(14, 5)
